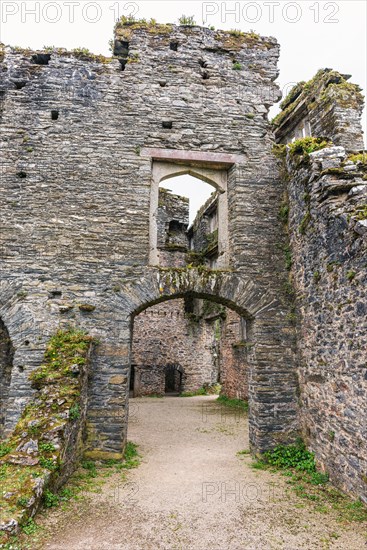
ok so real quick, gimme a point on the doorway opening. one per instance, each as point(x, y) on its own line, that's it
point(189, 216)
point(173, 380)
point(188, 346)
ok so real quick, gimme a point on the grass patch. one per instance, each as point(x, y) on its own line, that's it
point(187, 20)
point(291, 456)
point(233, 403)
point(299, 466)
point(361, 213)
point(204, 390)
point(360, 159)
point(200, 391)
point(89, 478)
point(259, 465)
point(304, 223)
point(284, 213)
point(131, 457)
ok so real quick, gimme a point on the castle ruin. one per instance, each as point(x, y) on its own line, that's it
point(86, 143)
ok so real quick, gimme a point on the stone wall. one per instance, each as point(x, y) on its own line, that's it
point(166, 335)
point(203, 233)
point(172, 224)
point(203, 340)
point(48, 441)
point(76, 184)
point(326, 106)
point(234, 367)
point(6, 365)
point(328, 232)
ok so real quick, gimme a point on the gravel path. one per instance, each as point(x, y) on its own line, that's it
point(192, 492)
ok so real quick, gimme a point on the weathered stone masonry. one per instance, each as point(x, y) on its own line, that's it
point(197, 342)
point(75, 218)
point(164, 335)
point(6, 363)
point(327, 194)
point(80, 141)
point(204, 345)
point(329, 273)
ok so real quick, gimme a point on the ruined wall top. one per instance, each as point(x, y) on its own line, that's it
point(327, 106)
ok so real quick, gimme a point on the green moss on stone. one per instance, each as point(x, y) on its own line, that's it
point(307, 145)
point(85, 55)
point(361, 212)
point(58, 383)
point(304, 223)
point(328, 87)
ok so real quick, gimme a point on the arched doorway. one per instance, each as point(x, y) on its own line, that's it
point(273, 384)
point(190, 345)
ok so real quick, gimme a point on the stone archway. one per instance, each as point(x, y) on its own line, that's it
point(273, 410)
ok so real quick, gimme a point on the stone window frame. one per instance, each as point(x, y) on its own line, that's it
point(209, 167)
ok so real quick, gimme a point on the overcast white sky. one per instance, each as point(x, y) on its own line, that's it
point(312, 34)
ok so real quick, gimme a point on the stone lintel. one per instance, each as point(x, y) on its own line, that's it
point(221, 160)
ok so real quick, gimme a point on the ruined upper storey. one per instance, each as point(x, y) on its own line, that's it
point(76, 127)
point(327, 106)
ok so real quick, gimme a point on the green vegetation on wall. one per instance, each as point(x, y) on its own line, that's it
point(45, 441)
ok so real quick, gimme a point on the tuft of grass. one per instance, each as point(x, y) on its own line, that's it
point(206, 389)
point(288, 257)
point(90, 466)
point(361, 213)
point(30, 527)
point(5, 448)
point(50, 499)
point(131, 456)
point(233, 403)
point(245, 452)
point(284, 213)
point(236, 32)
point(46, 447)
point(81, 51)
point(48, 463)
point(237, 66)
point(304, 223)
point(74, 412)
point(187, 20)
point(259, 465)
point(360, 159)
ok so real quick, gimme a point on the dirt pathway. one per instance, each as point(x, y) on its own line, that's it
point(192, 492)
